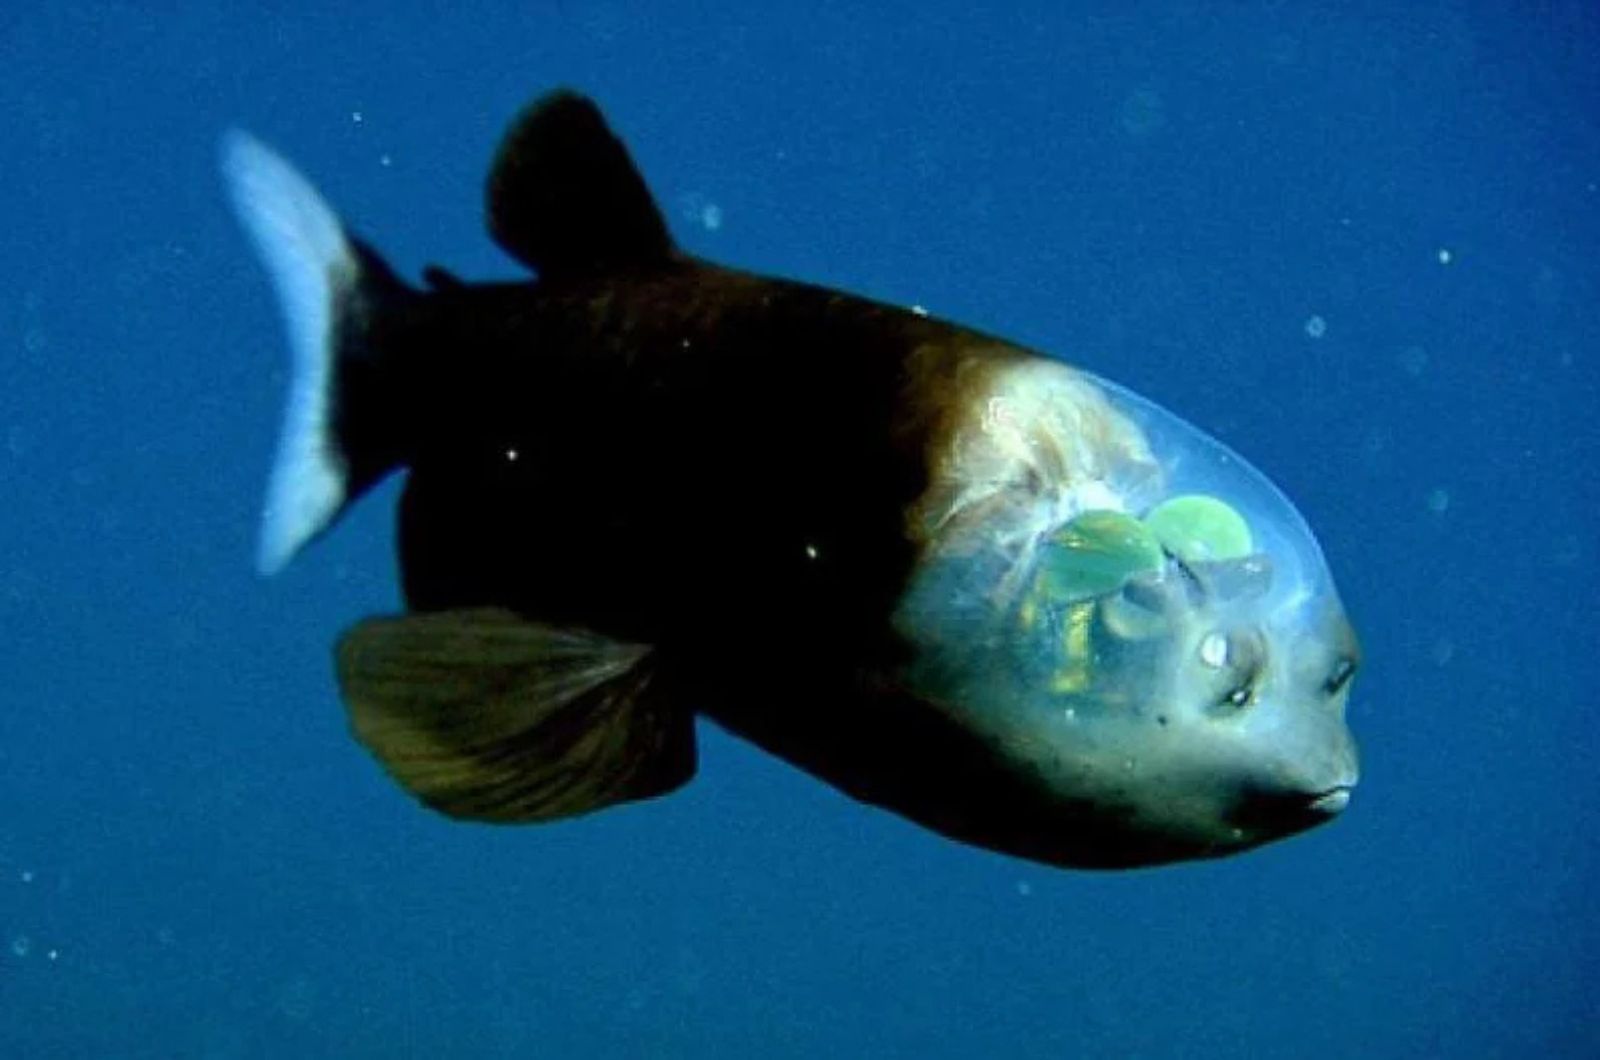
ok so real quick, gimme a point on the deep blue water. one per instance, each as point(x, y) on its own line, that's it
point(196, 860)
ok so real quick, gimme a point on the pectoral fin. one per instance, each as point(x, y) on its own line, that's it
point(484, 715)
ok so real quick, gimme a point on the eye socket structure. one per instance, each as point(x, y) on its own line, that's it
point(1240, 659)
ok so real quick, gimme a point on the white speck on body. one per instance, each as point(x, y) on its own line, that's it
point(920, 310)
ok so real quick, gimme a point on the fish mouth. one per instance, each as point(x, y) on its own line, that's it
point(1331, 801)
point(1287, 812)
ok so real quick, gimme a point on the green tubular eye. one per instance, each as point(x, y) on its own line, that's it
point(1198, 528)
point(1095, 553)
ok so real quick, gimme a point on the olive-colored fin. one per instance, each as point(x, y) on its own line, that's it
point(486, 716)
point(565, 198)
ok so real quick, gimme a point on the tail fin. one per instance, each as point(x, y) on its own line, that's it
point(333, 292)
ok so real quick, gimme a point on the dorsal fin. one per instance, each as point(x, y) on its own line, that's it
point(565, 198)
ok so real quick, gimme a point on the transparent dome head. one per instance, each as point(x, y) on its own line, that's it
point(1127, 609)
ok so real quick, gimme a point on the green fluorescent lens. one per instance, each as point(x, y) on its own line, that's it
point(1198, 528)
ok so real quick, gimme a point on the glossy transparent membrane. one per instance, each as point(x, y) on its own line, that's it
point(1093, 566)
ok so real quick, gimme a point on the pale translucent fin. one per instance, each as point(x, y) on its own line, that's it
point(314, 268)
point(484, 715)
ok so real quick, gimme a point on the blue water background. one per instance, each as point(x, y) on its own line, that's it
point(1357, 241)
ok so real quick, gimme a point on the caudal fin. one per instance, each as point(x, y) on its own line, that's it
point(333, 293)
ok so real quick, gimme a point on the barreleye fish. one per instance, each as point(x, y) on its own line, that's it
point(1001, 596)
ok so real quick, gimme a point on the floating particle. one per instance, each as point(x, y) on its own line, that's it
point(1445, 257)
point(1143, 113)
point(357, 117)
point(21, 946)
point(1567, 551)
point(385, 160)
point(297, 999)
point(1439, 501)
point(697, 209)
point(1316, 327)
point(1024, 888)
point(27, 875)
point(1444, 649)
point(1413, 360)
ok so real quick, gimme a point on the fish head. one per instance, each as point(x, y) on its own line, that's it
point(1135, 621)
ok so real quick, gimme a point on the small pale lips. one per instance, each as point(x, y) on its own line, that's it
point(1332, 801)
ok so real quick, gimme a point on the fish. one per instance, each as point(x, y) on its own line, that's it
point(957, 579)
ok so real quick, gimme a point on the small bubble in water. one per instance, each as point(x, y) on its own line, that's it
point(1439, 501)
point(1316, 327)
point(21, 945)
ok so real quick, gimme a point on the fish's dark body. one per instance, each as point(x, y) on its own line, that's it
point(643, 487)
point(717, 464)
